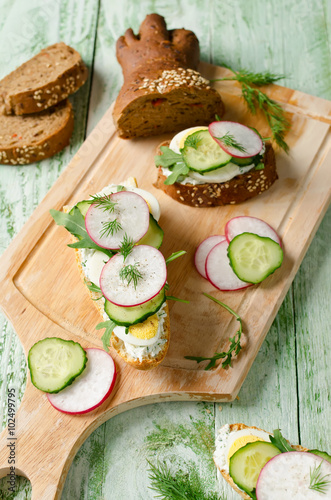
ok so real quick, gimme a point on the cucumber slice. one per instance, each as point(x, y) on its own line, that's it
point(127, 316)
point(322, 454)
point(202, 154)
point(243, 162)
point(154, 235)
point(54, 363)
point(83, 207)
point(247, 462)
point(254, 257)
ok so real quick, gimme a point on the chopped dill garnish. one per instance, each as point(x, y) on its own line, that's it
point(230, 141)
point(126, 246)
point(131, 273)
point(192, 141)
point(318, 482)
point(110, 227)
point(104, 202)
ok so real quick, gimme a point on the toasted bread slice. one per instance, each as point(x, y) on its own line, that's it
point(148, 361)
point(240, 188)
point(43, 81)
point(30, 138)
point(226, 475)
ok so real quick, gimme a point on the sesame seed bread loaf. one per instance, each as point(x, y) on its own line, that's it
point(30, 138)
point(238, 189)
point(162, 89)
point(226, 475)
point(43, 81)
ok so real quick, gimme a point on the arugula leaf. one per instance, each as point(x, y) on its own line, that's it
point(109, 326)
point(178, 170)
point(280, 442)
point(173, 161)
point(74, 223)
point(168, 157)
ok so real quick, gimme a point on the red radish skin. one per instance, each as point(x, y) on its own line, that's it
point(150, 263)
point(287, 477)
point(202, 252)
point(245, 136)
point(247, 224)
point(131, 211)
point(91, 388)
point(219, 272)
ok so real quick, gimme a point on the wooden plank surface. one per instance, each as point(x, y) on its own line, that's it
point(287, 385)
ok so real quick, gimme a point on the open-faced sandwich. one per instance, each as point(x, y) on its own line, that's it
point(225, 163)
point(117, 244)
point(265, 466)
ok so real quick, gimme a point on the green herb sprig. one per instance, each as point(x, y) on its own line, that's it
point(109, 327)
point(104, 202)
point(192, 141)
point(178, 486)
point(131, 273)
point(256, 99)
point(235, 346)
point(174, 256)
point(110, 227)
point(173, 161)
point(230, 141)
point(280, 442)
point(318, 482)
point(126, 246)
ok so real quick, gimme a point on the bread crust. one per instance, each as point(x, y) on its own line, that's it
point(40, 97)
point(23, 152)
point(162, 90)
point(226, 475)
point(240, 188)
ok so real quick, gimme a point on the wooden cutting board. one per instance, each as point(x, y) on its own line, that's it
point(42, 295)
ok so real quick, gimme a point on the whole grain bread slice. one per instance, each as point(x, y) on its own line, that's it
point(240, 188)
point(30, 138)
point(43, 81)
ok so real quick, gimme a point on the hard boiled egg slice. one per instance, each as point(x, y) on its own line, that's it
point(222, 174)
point(141, 334)
point(177, 143)
point(228, 442)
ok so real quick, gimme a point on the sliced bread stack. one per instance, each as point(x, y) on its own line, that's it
point(36, 118)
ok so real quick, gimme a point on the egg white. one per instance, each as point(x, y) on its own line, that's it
point(226, 438)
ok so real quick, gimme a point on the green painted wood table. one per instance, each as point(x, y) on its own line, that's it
point(288, 386)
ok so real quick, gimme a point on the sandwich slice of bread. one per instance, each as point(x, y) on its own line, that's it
point(162, 90)
point(218, 178)
point(139, 331)
point(30, 138)
point(239, 443)
point(43, 81)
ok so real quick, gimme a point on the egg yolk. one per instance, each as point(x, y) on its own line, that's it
point(147, 329)
point(240, 442)
point(183, 139)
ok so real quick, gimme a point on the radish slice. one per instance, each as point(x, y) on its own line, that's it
point(250, 142)
point(246, 224)
point(202, 252)
point(288, 477)
point(131, 213)
point(91, 388)
point(150, 264)
point(218, 269)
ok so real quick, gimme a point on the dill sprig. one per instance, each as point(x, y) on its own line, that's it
point(131, 273)
point(235, 346)
point(110, 227)
point(192, 141)
point(104, 202)
point(230, 141)
point(178, 486)
point(318, 482)
point(126, 246)
point(256, 99)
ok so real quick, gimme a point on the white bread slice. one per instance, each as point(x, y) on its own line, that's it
point(150, 361)
point(226, 475)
